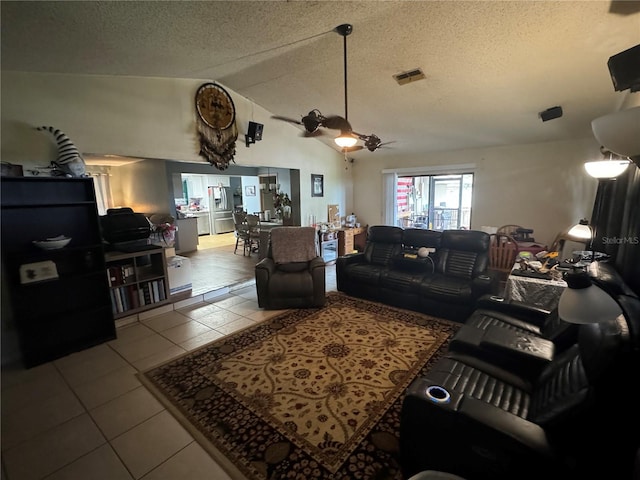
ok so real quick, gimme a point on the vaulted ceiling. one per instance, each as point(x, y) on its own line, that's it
point(490, 66)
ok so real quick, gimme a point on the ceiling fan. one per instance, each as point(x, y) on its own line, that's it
point(314, 119)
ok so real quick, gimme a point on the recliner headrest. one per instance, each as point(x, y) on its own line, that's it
point(468, 240)
point(384, 234)
point(419, 237)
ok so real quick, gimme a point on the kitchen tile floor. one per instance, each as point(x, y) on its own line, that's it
point(87, 416)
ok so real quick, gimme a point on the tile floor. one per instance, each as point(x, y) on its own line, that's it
point(214, 265)
point(86, 416)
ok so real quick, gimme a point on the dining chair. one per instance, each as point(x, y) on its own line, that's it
point(508, 229)
point(241, 231)
point(503, 250)
point(253, 228)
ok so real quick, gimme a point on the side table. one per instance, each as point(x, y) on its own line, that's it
point(538, 292)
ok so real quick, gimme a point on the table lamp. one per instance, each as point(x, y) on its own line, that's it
point(583, 302)
point(583, 231)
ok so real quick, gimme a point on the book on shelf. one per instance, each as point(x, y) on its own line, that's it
point(163, 295)
point(156, 293)
point(147, 293)
point(124, 298)
point(120, 274)
point(133, 296)
point(118, 300)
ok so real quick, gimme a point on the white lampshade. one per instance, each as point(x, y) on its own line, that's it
point(618, 132)
point(606, 168)
point(581, 230)
point(583, 302)
point(345, 140)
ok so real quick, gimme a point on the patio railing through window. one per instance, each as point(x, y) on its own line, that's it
point(445, 219)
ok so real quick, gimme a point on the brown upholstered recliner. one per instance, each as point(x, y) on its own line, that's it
point(292, 275)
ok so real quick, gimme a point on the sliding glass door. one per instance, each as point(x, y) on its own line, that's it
point(436, 202)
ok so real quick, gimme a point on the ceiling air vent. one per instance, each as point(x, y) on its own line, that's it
point(409, 76)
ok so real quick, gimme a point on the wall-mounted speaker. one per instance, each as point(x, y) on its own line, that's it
point(551, 113)
point(254, 133)
point(625, 70)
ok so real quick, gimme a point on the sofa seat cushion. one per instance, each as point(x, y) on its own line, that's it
point(365, 273)
point(447, 289)
point(402, 280)
point(413, 263)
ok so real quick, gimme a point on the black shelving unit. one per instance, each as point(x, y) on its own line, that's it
point(68, 309)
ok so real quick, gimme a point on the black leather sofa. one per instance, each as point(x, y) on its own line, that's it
point(446, 284)
point(536, 413)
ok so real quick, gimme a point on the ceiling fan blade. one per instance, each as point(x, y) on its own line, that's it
point(624, 8)
point(287, 119)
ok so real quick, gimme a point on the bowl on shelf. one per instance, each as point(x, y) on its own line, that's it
point(53, 243)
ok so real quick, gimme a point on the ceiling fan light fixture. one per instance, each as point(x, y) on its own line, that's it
point(345, 140)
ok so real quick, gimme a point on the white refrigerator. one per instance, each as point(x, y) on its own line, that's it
point(221, 209)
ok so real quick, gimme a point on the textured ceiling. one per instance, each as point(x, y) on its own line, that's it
point(490, 66)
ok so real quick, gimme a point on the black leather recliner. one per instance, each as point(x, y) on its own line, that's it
point(576, 418)
point(460, 276)
point(359, 274)
point(514, 334)
point(292, 275)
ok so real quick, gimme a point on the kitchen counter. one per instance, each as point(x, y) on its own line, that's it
point(187, 235)
point(195, 213)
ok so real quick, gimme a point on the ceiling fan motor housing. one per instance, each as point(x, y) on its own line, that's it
point(344, 29)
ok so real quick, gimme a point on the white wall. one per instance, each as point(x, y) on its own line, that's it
point(250, 204)
point(150, 118)
point(540, 186)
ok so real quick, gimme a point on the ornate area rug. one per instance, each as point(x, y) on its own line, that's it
point(310, 394)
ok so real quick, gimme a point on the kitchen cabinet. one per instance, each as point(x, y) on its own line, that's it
point(137, 280)
point(203, 223)
point(59, 299)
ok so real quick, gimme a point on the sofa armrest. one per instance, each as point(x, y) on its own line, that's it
point(520, 310)
point(483, 284)
point(317, 262)
point(488, 418)
point(266, 266)
point(350, 258)
point(469, 437)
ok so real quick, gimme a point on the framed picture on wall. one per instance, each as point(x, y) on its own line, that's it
point(317, 185)
point(250, 191)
